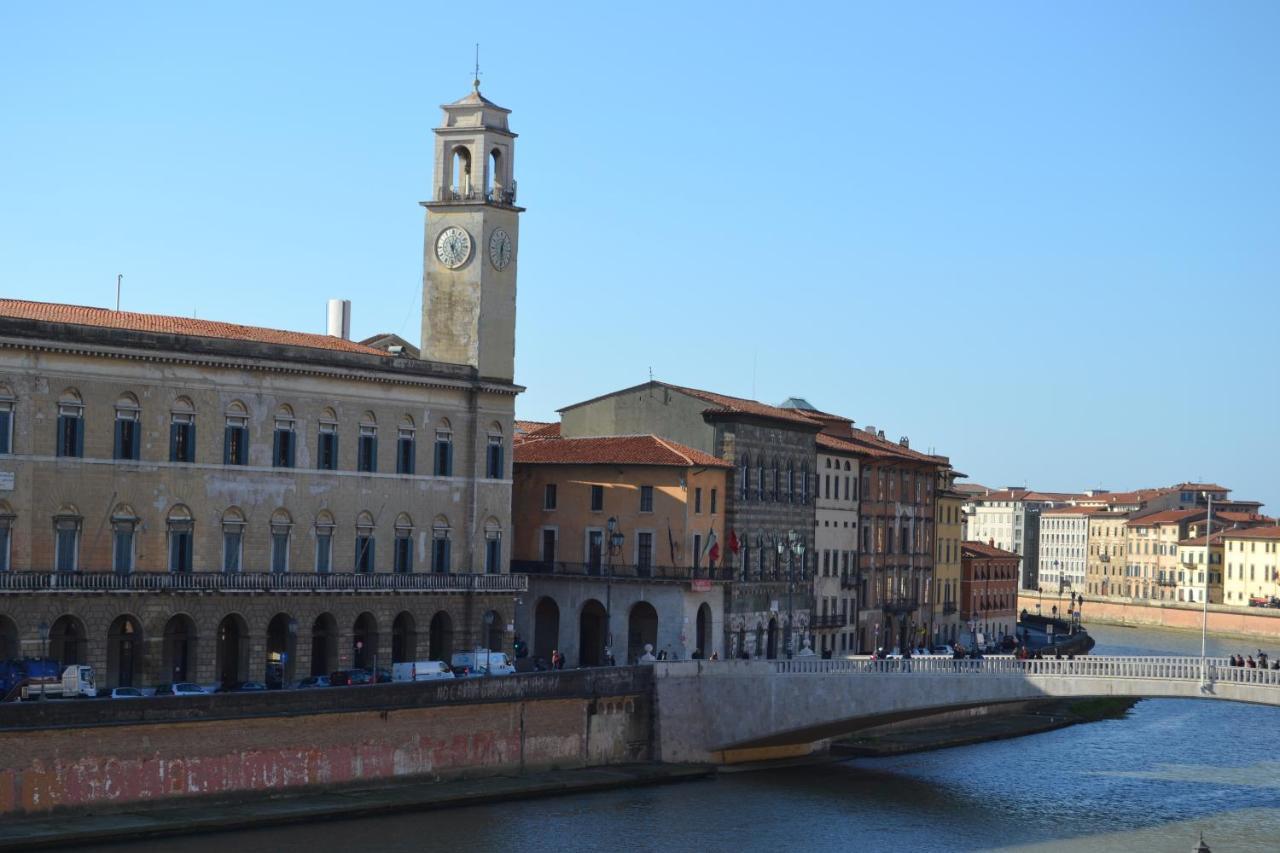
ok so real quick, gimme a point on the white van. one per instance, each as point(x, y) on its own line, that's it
point(482, 662)
point(422, 670)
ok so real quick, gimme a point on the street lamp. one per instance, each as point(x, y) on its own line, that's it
point(615, 546)
point(1204, 609)
point(795, 545)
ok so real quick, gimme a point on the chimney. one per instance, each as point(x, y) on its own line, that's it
point(880, 434)
point(869, 428)
point(905, 442)
point(340, 319)
point(992, 542)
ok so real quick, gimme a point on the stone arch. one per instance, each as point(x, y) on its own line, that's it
point(642, 629)
point(404, 638)
point(546, 628)
point(282, 651)
point(233, 642)
point(178, 651)
point(68, 641)
point(70, 397)
point(125, 652)
point(364, 640)
point(495, 629)
point(702, 633)
point(460, 170)
point(324, 644)
point(440, 636)
point(591, 633)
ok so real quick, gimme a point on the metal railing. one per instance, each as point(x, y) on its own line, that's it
point(899, 605)
point(257, 582)
point(948, 607)
point(829, 620)
point(620, 571)
point(1156, 668)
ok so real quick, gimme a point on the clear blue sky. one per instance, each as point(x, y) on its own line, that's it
point(1040, 238)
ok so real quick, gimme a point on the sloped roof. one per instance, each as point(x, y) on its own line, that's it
point(81, 315)
point(1168, 516)
point(614, 450)
point(535, 430)
point(982, 549)
point(741, 406)
point(1270, 532)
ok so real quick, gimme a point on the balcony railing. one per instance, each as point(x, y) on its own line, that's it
point(848, 582)
point(621, 571)
point(948, 607)
point(899, 605)
point(257, 582)
point(828, 621)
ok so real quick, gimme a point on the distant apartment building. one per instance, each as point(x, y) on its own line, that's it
point(1011, 519)
point(947, 561)
point(1107, 549)
point(1152, 558)
point(1200, 569)
point(835, 604)
point(1252, 557)
point(988, 589)
point(1064, 547)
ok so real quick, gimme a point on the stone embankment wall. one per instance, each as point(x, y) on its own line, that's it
point(1240, 621)
point(102, 752)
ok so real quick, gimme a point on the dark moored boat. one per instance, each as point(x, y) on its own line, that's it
point(1050, 636)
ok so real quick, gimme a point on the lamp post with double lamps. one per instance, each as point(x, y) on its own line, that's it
point(614, 546)
point(1204, 607)
point(793, 545)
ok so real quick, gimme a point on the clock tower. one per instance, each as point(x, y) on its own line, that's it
point(472, 239)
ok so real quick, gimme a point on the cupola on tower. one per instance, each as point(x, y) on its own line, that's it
point(472, 236)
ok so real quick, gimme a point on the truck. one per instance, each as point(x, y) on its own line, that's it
point(423, 670)
point(481, 662)
point(38, 679)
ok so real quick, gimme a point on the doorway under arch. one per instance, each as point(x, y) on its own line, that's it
point(703, 630)
point(10, 645)
point(324, 644)
point(404, 638)
point(179, 649)
point(591, 631)
point(233, 650)
point(440, 637)
point(546, 628)
point(68, 643)
point(124, 652)
point(494, 629)
point(282, 651)
point(364, 641)
point(642, 630)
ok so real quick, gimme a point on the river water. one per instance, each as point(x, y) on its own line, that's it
point(1149, 782)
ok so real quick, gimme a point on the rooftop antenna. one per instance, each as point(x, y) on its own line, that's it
point(651, 374)
point(475, 81)
point(119, 278)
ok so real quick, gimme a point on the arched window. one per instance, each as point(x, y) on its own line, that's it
point(179, 524)
point(444, 449)
point(324, 542)
point(367, 450)
point(327, 441)
point(128, 434)
point(440, 545)
point(66, 527)
point(791, 482)
point(232, 539)
point(460, 173)
point(493, 190)
point(7, 404)
point(404, 544)
point(777, 482)
point(405, 446)
point(235, 439)
point(804, 483)
point(281, 527)
point(745, 476)
point(284, 441)
point(760, 483)
point(70, 437)
point(364, 543)
point(494, 469)
point(182, 431)
point(123, 522)
point(492, 546)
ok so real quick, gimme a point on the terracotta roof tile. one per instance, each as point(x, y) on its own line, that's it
point(614, 450)
point(738, 405)
point(80, 315)
point(1168, 516)
point(982, 549)
point(1272, 532)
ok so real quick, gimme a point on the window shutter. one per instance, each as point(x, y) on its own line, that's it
point(226, 446)
point(191, 443)
point(448, 465)
point(135, 443)
point(174, 430)
point(117, 451)
point(276, 441)
point(77, 425)
point(293, 440)
point(447, 549)
point(333, 458)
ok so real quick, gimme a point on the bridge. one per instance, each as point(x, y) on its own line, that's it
point(709, 710)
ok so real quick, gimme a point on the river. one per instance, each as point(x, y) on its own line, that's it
point(1149, 782)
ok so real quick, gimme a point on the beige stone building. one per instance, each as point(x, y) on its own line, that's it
point(1108, 547)
point(191, 500)
point(1200, 569)
point(947, 564)
point(836, 539)
point(1153, 551)
point(1252, 559)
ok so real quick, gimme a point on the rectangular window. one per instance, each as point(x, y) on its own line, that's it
point(644, 550)
point(70, 431)
point(231, 537)
point(493, 458)
point(235, 443)
point(549, 496)
point(444, 453)
point(282, 449)
point(440, 554)
point(697, 501)
point(6, 427)
point(405, 456)
point(493, 556)
point(128, 435)
point(597, 498)
point(646, 498)
point(327, 449)
point(404, 555)
point(279, 551)
point(364, 553)
point(180, 551)
point(67, 546)
point(595, 549)
point(713, 501)
point(367, 450)
point(182, 438)
point(697, 550)
point(324, 550)
point(122, 550)
point(548, 545)
point(4, 545)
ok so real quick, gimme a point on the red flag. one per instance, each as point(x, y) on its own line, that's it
point(715, 552)
point(733, 541)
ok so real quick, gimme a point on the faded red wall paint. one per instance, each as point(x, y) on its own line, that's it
point(55, 768)
point(1222, 620)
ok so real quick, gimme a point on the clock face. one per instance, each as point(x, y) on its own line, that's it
point(453, 247)
point(500, 249)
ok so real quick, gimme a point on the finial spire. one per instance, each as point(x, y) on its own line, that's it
point(475, 82)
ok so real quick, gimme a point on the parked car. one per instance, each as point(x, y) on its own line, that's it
point(384, 675)
point(181, 688)
point(350, 678)
point(423, 670)
point(945, 650)
point(126, 693)
point(311, 681)
point(481, 662)
point(248, 687)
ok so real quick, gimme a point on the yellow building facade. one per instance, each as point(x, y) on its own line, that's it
point(1252, 558)
point(946, 573)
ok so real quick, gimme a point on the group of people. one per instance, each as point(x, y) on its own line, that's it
point(1260, 662)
